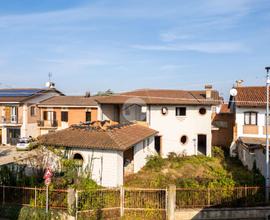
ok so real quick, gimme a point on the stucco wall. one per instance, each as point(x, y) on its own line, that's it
point(246, 157)
point(239, 120)
point(105, 166)
point(141, 153)
point(171, 128)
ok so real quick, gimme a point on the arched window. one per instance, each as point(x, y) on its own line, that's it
point(78, 158)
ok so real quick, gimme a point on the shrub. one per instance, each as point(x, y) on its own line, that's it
point(155, 162)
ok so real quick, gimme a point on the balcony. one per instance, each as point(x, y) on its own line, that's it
point(47, 124)
point(12, 120)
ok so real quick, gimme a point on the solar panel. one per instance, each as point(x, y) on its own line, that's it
point(18, 92)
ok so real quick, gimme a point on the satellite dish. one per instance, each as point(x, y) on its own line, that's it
point(233, 92)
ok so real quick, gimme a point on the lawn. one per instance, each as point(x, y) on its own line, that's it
point(220, 170)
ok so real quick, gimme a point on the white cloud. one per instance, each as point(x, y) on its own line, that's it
point(208, 47)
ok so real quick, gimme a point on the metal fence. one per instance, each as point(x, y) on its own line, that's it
point(33, 197)
point(122, 201)
point(221, 197)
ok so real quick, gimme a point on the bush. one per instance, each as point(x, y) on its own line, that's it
point(155, 162)
point(218, 153)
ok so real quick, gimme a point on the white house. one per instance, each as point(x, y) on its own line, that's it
point(250, 125)
point(19, 112)
point(106, 151)
point(183, 119)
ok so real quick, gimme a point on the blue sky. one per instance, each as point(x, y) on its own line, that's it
point(130, 44)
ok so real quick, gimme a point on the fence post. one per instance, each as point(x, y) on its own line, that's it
point(71, 201)
point(171, 202)
point(76, 205)
point(122, 201)
point(35, 196)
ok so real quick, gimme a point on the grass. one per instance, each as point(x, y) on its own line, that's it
point(220, 170)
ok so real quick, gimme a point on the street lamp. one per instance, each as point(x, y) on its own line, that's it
point(267, 135)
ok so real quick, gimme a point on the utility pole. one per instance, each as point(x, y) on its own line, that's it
point(267, 135)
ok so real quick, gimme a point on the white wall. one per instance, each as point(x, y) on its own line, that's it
point(106, 166)
point(239, 119)
point(141, 153)
point(171, 128)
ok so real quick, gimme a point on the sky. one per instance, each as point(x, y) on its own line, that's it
point(131, 44)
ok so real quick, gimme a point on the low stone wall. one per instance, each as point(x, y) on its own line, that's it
point(223, 213)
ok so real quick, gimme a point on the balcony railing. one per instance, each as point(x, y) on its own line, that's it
point(12, 120)
point(50, 124)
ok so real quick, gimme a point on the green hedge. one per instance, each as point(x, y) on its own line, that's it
point(26, 213)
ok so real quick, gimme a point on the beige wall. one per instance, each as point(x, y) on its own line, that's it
point(250, 129)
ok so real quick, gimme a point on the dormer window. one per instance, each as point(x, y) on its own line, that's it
point(251, 118)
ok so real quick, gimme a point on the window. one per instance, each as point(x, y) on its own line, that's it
point(202, 111)
point(64, 116)
point(32, 110)
point(45, 115)
point(78, 159)
point(184, 139)
point(250, 118)
point(49, 116)
point(180, 111)
point(164, 111)
point(88, 117)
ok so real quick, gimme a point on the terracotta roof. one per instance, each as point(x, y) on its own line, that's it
point(116, 137)
point(70, 101)
point(153, 96)
point(251, 96)
point(225, 109)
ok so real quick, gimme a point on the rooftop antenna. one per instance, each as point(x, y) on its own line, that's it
point(50, 76)
point(50, 84)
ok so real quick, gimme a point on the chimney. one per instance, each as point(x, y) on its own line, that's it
point(208, 89)
point(239, 83)
point(87, 94)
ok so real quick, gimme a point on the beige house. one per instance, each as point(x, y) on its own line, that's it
point(61, 112)
point(19, 112)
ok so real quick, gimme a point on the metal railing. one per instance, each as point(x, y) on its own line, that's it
point(127, 201)
point(33, 197)
point(14, 119)
point(51, 124)
point(220, 197)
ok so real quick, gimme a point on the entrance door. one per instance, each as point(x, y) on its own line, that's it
point(202, 144)
point(0, 136)
point(158, 144)
point(13, 134)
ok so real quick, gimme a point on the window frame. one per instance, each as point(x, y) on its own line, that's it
point(250, 113)
point(180, 115)
point(86, 113)
point(185, 141)
point(32, 111)
point(64, 118)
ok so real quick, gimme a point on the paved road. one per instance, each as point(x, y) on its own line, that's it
point(9, 154)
